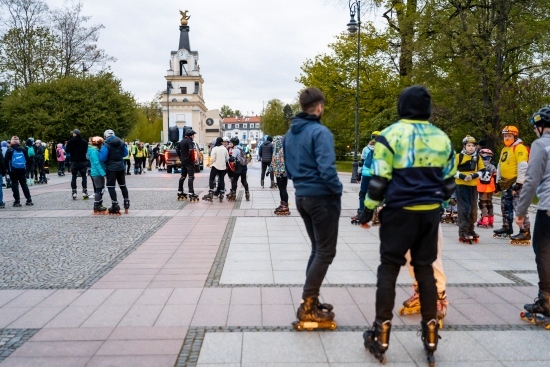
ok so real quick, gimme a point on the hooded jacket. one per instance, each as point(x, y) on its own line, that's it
point(309, 157)
point(112, 153)
point(266, 151)
point(77, 148)
point(97, 167)
point(9, 154)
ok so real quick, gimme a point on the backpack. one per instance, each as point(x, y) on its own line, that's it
point(242, 158)
point(30, 152)
point(368, 160)
point(18, 160)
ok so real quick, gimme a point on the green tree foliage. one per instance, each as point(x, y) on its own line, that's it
point(276, 117)
point(50, 110)
point(226, 111)
point(148, 124)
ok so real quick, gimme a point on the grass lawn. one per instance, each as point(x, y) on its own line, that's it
point(344, 166)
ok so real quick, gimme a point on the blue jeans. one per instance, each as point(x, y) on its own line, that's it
point(541, 246)
point(1, 192)
point(320, 215)
point(508, 203)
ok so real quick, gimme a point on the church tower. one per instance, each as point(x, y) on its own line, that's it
point(182, 102)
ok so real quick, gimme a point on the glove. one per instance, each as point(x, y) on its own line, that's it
point(497, 188)
point(366, 216)
point(517, 187)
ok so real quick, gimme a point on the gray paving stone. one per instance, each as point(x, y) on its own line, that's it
point(298, 347)
point(221, 348)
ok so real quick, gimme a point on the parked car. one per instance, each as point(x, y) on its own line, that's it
point(173, 162)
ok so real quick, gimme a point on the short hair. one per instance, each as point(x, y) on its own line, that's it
point(310, 98)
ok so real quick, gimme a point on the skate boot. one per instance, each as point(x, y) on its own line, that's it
point(377, 339)
point(538, 312)
point(16, 204)
point(231, 196)
point(114, 209)
point(8, 184)
point(475, 237)
point(247, 195)
point(430, 338)
point(311, 317)
point(273, 185)
point(85, 194)
point(442, 305)
point(2, 205)
point(523, 238)
point(209, 197)
point(466, 238)
point(375, 218)
point(74, 195)
point(126, 205)
point(29, 202)
point(324, 307)
point(505, 232)
point(221, 195)
point(262, 183)
point(182, 195)
point(491, 220)
point(193, 197)
point(412, 305)
point(282, 209)
point(483, 222)
point(356, 217)
point(99, 208)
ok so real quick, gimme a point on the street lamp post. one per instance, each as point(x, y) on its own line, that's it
point(355, 27)
point(169, 88)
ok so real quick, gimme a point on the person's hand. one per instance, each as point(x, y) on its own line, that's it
point(519, 221)
point(517, 187)
point(468, 178)
point(366, 217)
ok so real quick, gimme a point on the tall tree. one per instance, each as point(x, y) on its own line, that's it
point(226, 111)
point(273, 120)
point(78, 43)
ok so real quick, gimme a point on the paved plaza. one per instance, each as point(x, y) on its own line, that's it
point(217, 284)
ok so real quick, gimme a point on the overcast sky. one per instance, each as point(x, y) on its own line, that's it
point(250, 51)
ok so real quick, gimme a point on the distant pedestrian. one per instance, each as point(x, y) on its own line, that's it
point(266, 153)
point(279, 171)
point(31, 171)
point(97, 173)
point(60, 154)
point(218, 160)
point(155, 156)
point(2, 174)
point(77, 148)
point(16, 163)
point(40, 161)
point(238, 159)
point(127, 162)
point(112, 153)
point(188, 155)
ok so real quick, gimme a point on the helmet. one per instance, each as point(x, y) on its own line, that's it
point(486, 152)
point(374, 135)
point(108, 133)
point(541, 117)
point(225, 138)
point(38, 141)
point(97, 140)
point(234, 141)
point(468, 139)
point(510, 130)
point(190, 132)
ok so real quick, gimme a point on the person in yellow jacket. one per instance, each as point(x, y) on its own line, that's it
point(468, 169)
point(140, 154)
point(511, 171)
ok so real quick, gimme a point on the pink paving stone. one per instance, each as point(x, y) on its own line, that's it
point(197, 276)
point(30, 298)
point(71, 317)
point(8, 295)
point(72, 334)
point(210, 315)
point(36, 318)
point(106, 316)
point(133, 361)
point(45, 361)
point(9, 315)
point(93, 297)
point(148, 333)
point(128, 278)
point(120, 285)
point(185, 296)
point(176, 316)
point(141, 315)
point(58, 349)
point(278, 315)
point(176, 284)
point(244, 315)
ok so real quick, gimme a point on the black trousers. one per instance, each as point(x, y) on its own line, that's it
point(128, 165)
point(235, 180)
point(77, 167)
point(281, 184)
point(321, 216)
point(541, 246)
point(114, 177)
point(187, 168)
point(18, 178)
point(466, 200)
point(99, 187)
point(40, 168)
point(264, 167)
point(401, 230)
point(212, 180)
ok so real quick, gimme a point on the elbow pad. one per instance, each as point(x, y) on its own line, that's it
point(449, 186)
point(377, 188)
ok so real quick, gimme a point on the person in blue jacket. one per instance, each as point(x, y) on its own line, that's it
point(310, 164)
point(97, 174)
point(112, 153)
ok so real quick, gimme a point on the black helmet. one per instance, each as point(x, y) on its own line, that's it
point(190, 132)
point(234, 141)
point(541, 118)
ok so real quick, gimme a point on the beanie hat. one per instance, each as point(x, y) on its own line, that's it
point(76, 131)
point(269, 138)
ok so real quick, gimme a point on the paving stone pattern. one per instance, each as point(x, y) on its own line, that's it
point(11, 339)
point(43, 253)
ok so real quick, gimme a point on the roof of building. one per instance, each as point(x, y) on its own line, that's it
point(244, 119)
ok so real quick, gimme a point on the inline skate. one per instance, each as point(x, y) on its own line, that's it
point(16, 204)
point(99, 209)
point(126, 205)
point(221, 195)
point(310, 316)
point(273, 185)
point(355, 219)
point(193, 197)
point(376, 218)
point(538, 312)
point(411, 305)
point(523, 238)
point(484, 223)
point(74, 195)
point(2, 205)
point(262, 183)
point(491, 220)
point(182, 196)
point(377, 339)
point(85, 194)
point(430, 338)
point(282, 209)
point(114, 209)
point(29, 202)
point(247, 195)
point(466, 238)
point(231, 196)
point(209, 197)
point(505, 232)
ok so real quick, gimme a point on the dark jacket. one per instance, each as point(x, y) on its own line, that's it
point(186, 146)
point(112, 153)
point(77, 148)
point(39, 152)
point(310, 158)
point(2, 164)
point(266, 151)
point(9, 154)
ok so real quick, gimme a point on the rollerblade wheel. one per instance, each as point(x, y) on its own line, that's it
point(332, 326)
point(401, 311)
point(297, 325)
point(546, 324)
point(440, 323)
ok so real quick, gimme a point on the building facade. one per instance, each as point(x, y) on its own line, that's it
point(246, 128)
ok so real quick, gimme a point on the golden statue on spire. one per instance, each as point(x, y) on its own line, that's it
point(184, 17)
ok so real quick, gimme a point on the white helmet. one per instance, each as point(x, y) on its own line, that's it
point(108, 133)
point(225, 138)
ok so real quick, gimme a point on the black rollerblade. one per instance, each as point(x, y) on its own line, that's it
point(538, 312)
point(523, 238)
point(85, 194)
point(505, 232)
point(193, 197)
point(114, 209)
point(29, 202)
point(231, 196)
point(16, 204)
point(2, 205)
point(282, 209)
point(262, 183)
point(182, 195)
point(356, 217)
point(377, 339)
point(8, 184)
point(221, 195)
point(74, 194)
point(99, 209)
point(126, 205)
point(273, 185)
point(310, 316)
point(430, 339)
point(209, 197)
point(247, 195)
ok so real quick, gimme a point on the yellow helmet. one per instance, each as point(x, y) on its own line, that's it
point(468, 139)
point(374, 135)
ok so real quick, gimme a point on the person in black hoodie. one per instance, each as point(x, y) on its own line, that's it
point(2, 174)
point(266, 154)
point(77, 148)
point(16, 163)
point(188, 156)
point(112, 153)
point(39, 161)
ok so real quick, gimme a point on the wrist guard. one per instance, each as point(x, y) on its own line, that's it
point(366, 216)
